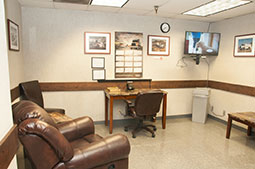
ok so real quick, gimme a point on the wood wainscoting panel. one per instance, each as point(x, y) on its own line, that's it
point(15, 93)
point(234, 88)
point(8, 147)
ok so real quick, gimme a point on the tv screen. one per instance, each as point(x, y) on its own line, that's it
point(201, 43)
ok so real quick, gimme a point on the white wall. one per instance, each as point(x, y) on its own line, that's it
point(16, 64)
point(53, 42)
point(6, 115)
point(230, 69)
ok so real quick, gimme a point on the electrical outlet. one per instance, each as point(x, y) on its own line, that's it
point(224, 112)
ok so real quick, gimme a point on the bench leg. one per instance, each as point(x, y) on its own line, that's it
point(249, 131)
point(229, 127)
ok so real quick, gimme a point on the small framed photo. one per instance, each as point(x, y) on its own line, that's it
point(158, 45)
point(13, 35)
point(97, 43)
point(244, 45)
point(97, 62)
point(98, 74)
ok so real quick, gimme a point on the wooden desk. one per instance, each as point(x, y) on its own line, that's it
point(121, 95)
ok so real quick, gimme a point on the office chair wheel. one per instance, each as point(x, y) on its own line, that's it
point(154, 129)
point(133, 136)
point(126, 129)
point(153, 135)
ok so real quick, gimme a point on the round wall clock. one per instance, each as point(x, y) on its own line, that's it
point(165, 27)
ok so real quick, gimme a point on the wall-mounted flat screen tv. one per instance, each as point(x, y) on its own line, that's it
point(201, 43)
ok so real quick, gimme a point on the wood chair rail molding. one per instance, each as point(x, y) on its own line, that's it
point(234, 88)
point(8, 147)
point(89, 86)
point(84, 86)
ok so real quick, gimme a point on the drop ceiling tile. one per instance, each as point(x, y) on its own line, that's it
point(133, 11)
point(144, 4)
point(180, 6)
point(37, 3)
point(103, 8)
point(61, 5)
point(161, 14)
point(197, 18)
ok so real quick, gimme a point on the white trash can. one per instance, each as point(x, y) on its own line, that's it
point(200, 102)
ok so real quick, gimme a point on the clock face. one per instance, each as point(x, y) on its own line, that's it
point(165, 27)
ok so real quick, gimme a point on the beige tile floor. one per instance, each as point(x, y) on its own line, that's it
point(188, 145)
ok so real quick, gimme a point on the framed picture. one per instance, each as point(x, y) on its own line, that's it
point(13, 34)
point(98, 74)
point(128, 55)
point(97, 43)
point(97, 62)
point(158, 45)
point(244, 45)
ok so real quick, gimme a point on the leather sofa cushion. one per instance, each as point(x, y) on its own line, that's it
point(27, 109)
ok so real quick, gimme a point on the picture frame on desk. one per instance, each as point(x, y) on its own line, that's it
point(13, 35)
point(158, 45)
point(97, 42)
point(98, 74)
point(244, 45)
point(98, 62)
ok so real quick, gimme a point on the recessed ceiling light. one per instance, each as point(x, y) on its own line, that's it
point(216, 6)
point(113, 3)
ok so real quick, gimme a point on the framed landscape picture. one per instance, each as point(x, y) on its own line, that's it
point(97, 43)
point(244, 45)
point(158, 45)
point(13, 35)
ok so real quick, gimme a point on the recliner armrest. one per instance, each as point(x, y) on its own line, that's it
point(51, 110)
point(109, 149)
point(77, 128)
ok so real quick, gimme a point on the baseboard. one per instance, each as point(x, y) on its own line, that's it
point(178, 117)
point(158, 118)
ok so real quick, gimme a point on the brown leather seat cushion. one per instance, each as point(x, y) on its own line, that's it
point(59, 117)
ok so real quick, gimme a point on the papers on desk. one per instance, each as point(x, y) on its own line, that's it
point(113, 89)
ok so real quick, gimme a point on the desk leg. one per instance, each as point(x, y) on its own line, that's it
point(106, 111)
point(249, 131)
point(111, 115)
point(164, 111)
point(229, 127)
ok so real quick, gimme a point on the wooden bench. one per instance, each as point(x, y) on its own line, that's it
point(247, 118)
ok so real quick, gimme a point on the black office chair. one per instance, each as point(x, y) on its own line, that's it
point(147, 104)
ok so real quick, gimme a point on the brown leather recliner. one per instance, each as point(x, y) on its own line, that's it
point(31, 90)
point(69, 145)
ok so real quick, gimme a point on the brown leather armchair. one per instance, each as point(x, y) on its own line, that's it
point(68, 145)
point(31, 91)
point(147, 104)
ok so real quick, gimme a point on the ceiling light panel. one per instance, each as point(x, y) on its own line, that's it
point(216, 7)
point(112, 3)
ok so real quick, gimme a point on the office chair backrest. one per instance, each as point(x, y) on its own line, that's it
point(31, 91)
point(148, 103)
